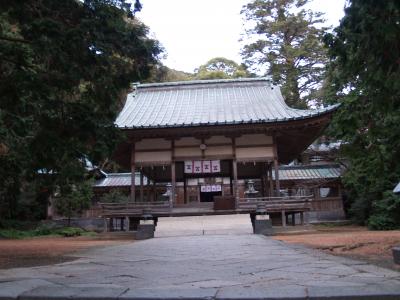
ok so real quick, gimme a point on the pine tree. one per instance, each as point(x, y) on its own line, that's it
point(286, 40)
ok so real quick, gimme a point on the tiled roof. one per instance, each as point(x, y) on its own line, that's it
point(309, 172)
point(208, 102)
point(118, 180)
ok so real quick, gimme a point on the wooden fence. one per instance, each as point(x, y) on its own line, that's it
point(128, 208)
point(273, 204)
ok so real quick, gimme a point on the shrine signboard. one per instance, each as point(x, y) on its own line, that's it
point(211, 188)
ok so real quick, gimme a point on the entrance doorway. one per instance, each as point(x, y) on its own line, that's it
point(209, 196)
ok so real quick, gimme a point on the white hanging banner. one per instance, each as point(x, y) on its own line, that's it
point(206, 166)
point(188, 166)
point(215, 166)
point(197, 167)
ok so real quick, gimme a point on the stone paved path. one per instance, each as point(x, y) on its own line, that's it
point(204, 225)
point(228, 266)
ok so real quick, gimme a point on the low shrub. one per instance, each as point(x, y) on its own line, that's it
point(70, 231)
point(16, 234)
point(386, 213)
point(44, 231)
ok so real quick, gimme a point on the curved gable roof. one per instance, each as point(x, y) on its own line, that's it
point(208, 102)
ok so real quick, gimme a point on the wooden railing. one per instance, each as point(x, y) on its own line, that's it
point(272, 204)
point(331, 203)
point(291, 203)
point(134, 207)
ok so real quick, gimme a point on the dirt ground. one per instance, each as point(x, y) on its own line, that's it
point(351, 241)
point(46, 250)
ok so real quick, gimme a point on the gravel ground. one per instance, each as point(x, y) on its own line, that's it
point(351, 241)
point(46, 250)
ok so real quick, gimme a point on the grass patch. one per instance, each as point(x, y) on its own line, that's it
point(44, 231)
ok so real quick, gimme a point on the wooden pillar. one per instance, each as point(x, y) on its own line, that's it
point(173, 175)
point(271, 183)
point(283, 216)
point(277, 184)
point(262, 186)
point(133, 171)
point(293, 219)
point(148, 189)
point(184, 190)
point(126, 223)
point(154, 188)
point(302, 218)
point(262, 178)
point(235, 174)
point(105, 229)
point(141, 186)
point(235, 181)
point(173, 184)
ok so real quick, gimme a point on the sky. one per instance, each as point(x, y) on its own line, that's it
point(194, 31)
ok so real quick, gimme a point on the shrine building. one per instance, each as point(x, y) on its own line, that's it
point(196, 142)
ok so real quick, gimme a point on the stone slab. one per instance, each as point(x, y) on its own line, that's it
point(280, 293)
point(66, 292)
point(12, 289)
point(170, 294)
point(371, 292)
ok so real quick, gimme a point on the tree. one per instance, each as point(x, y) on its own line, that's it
point(65, 67)
point(285, 40)
point(364, 77)
point(221, 68)
point(161, 73)
point(74, 199)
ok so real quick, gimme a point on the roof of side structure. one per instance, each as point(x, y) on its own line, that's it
point(209, 102)
point(309, 172)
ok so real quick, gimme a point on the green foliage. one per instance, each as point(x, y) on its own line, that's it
point(364, 77)
point(73, 199)
point(65, 67)
point(161, 73)
point(385, 212)
point(114, 196)
point(70, 231)
point(286, 40)
point(44, 231)
point(221, 68)
point(16, 234)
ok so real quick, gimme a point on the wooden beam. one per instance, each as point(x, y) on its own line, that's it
point(133, 170)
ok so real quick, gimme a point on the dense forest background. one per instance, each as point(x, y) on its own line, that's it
point(67, 66)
